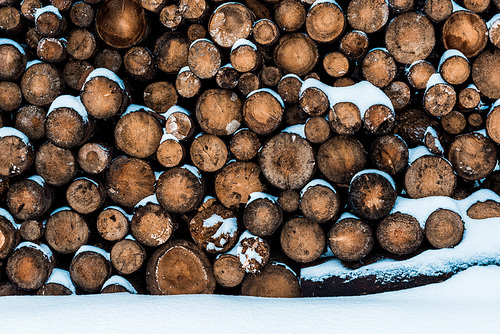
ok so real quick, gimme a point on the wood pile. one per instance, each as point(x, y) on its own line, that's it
point(195, 146)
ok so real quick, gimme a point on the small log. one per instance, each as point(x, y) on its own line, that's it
point(263, 111)
point(419, 72)
point(262, 214)
point(179, 267)
point(412, 125)
point(30, 120)
point(399, 233)
point(253, 252)
point(49, 22)
point(137, 132)
point(90, 268)
point(473, 156)
point(103, 94)
point(244, 144)
point(325, 22)
point(56, 165)
point(289, 200)
point(29, 198)
point(13, 60)
point(152, 225)
point(66, 231)
point(314, 101)
point(94, 158)
point(249, 82)
point(484, 210)
point(430, 175)
point(16, 152)
point(204, 58)
point(230, 22)
point(121, 23)
point(10, 96)
point(454, 67)
point(51, 50)
point(345, 118)
point(32, 38)
point(389, 153)
point(350, 239)
point(28, 8)
point(85, 195)
point(410, 37)
point(139, 62)
point(317, 130)
point(265, 32)
point(75, 72)
point(494, 31)
point(302, 240)
point(379, 67)
point(439, 97)
point(171, 152)
point(289, 15)
point(154, 6)
point(319, 201)
point(368, 16)
point(214, 228)
point(41, 84)
point(67, 124)
point(32, 230)
point(354, 44)
point(194, 10)
point(208, 153)
point(270, 76)
point(187, 84)
point(62, 5)
point(438, 10)
point(401, 6)
point(81, 44)
point(180, 189)
point(287, 161)
point(196, 31)
point(454, 122)
point(171, 52)
point(9, 233)
point(289, 88)
point(399, 93)
point(179, 123)
point(245, 57)
point(113, 223)
point(372, 194)
point(444, 228)
point(108, 58)
point(296, 53)
point(275, 280)
point(82, 14)
point(340, 158)
point(294, 115)
point(129, 180)
point(219, 112)
point(336, 64)
point(127, 256)
point(227, 77)
point(171, 16)
point(30, 265)
point(228, 271)
point(466, 32)
point(485, 72)
point(236, 181)
point(469, 98)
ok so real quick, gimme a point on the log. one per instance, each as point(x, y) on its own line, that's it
point(372, 194)
point(108, 58)
point(249, 82)
point(494, 31)
point(187, 84)
point(16, 152)
point(81, 44)
point(10, 96)
point(275, 280)
point(13, 60)
point(302, 240)
point(454, 67)
point(245, 57)
point(244, 144)
point(196, 31)
point(127, 256)
point(439, 97)
point(265, 32)
point(204, 58)
point(270, 76)
point(287, 161)
point(29, 7)
point(171, 152)
point(9, 233)
point(49, 22)
point(51, 50)
point(354, 44)
point(33, 37)
point(139, 62)
point(379, 67)
point(171, 52)
point(179, 123)
point(32, 230)
point(228, 271)
point(66, 231)
point(230, 22)
point(30, 120)
point(62, 5)
point(262, 214)
point(171, 16)
point(253, 252)
point(430, 175)
point(389, 154)
point(58, 284)
point(418, 74)
point(469, 98)
point(325, 22)
point(194, 10)
point(118, 284)
point(289, 15)
point(319, 201)
point(41, 83)
point(314, 101)
point(412, 125)
point(484, 210)
point(444, 228)
point(289, 200)
point(82, 14)
point(227, 77)
point(129, 180)
point(399, 233)
point(350, 239)
point(113, 223)
point(466, 32)
point(317, 130)
point(57, 166)
point(90, 268)
point(454, 122)
point(340, 158)
point(399, 93)
point(94, 158)
point(85, 195)
point(208, 153)
point(368, 16)
point(263, 111)
point(438, 10)
point(296, 53)
point(180, 189)
point(30, 265)
point(29, 198)
point(75, 72)
point(219, 112)
point(345, 118)
point(152, 225)
point(289, 88)
point(485, 73)
point(179, 267)
point(214, 228)
point(336, 64)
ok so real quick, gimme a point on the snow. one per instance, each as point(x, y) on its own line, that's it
point(174, 109)
point(33, 62)
point(256, 195)
point(147, 200)
point(430, 130)
point(193, 170)
point(72, 102)
point(479, 245)
point(64, 208)
point(327, 1)
point(104, 72)
point(363, 94)
point(448, 54)
point(241, 42)
point(249, 254)
point(200, 40)
point(417, 152)
point(42, 248)
point(298, 129)
point(167, 136)
point(7, 131)
point(62, 277)
point(118, 280)
point(50, 8)
point(117, 208)
point(228, 227)
point(457, 8)
point(184, 69)
point(316, 182)
point(269, 91)
point(434, 79)
point(6, 214)
point(376, 171)
point(291, 75)
point(88, 179)
point(129, 237)
point(227, 65)
point(136, 107)
point(38, 179)
point(88, 248)
point(13, 43)
point(469, 302)
point(495, 20)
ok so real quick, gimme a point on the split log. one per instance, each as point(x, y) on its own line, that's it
point(187, 84)
point(32, 230)
point(113, 223)
point(56, 165)
point(179, 267)
point(484, 210)
point(204, 58)
point(152, 225)
point(30, 265)
point(127, 256)
point(228, 271)
point(90, 268)
point(41, 84)
point(262, 214)
point(244, 144)
point(263, 111)
point(275, 280)
point(219, 112)
point(466, 32)
point(16, 152)
point(85, 195)
point(296, 53)
point(319, 201)
point(66, 231)
point(94, 158)
point(389, 153)
point(350, 239)
point(444, 228)
point(302, 240)
point(289, 15)
point(29, 198)
point(180, 189)
point(399, 233)
point(430, 175)
point(368, 16)
point(230, 22)
point(287, 161)
point(208, 152)
point(171, 52)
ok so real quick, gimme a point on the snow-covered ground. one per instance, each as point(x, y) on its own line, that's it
point(466, 303)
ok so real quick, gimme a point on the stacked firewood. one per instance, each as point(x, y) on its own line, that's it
point(203, 146)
